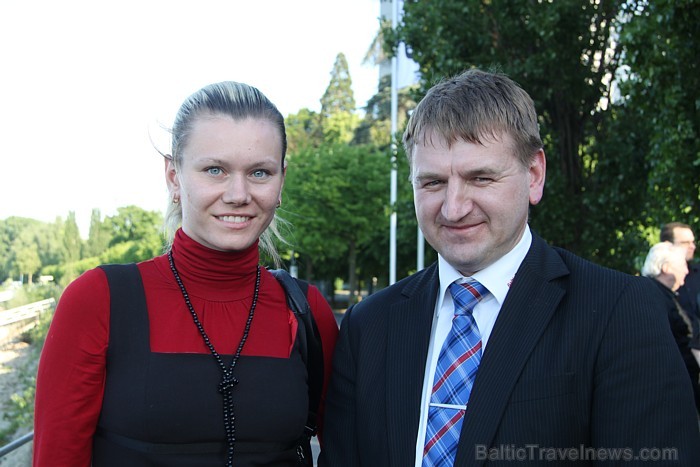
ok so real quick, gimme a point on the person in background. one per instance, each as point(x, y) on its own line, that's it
point(666, 264)
point(688, 294)
point(194, 360)
point(505, 346)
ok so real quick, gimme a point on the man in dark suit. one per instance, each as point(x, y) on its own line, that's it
point(554, 360)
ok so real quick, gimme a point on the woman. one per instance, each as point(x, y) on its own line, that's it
point(200, 365)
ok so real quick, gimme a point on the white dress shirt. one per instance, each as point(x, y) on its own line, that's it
point(497, 279)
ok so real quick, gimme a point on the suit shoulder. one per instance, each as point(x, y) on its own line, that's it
point(593, 279)
point(583, 268)
point(402, 289)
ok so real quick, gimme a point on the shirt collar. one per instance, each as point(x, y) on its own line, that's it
point(497, 277)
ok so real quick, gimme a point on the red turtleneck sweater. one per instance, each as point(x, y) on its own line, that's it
point(71, 374)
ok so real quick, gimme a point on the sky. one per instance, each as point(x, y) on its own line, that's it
point(87, 87)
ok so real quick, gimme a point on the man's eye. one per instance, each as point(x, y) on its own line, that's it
point(260, 173)
point(482, 180)
point(214, 171)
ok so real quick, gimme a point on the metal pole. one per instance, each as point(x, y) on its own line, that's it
point(394, 129)
point(16, 443)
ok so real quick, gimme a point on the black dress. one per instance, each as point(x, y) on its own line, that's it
point(165, 409)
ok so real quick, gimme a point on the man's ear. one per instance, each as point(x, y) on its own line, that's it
point(537, 170)
point(665, 268)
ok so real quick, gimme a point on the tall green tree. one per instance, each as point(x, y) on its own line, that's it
point(50, 242)
point(660, 93)
point(339, 97)
point(375, 127)
point(25, 257)
point(133, 223)
point(71, 239)
point(99, 237)
point(11, 229)
point(303, 130)
point(338, 118)
point(336, 197)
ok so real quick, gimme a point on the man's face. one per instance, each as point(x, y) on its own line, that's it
point(685, 238)
point(472, 200)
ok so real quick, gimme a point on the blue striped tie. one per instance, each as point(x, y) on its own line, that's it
point(454, 377)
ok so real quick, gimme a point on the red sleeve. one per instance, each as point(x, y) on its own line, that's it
point(328, 328)
point(70, 379)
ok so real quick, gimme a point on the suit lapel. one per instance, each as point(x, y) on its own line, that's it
point(529, 305)
point(409, 323)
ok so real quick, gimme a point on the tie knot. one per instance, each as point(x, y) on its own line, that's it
point(467, 295)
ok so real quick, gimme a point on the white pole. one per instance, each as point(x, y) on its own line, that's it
point(394, 129)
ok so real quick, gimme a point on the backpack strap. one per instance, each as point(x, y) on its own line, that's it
point(309, 341)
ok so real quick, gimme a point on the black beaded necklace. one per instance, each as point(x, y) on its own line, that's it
point(228, 380)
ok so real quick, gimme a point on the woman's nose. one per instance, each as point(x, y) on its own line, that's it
point(237, 191)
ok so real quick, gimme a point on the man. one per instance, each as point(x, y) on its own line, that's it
point(682, 235)
point(553, 358)
point(666, 264)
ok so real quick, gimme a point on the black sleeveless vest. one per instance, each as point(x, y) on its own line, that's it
point(164, 409)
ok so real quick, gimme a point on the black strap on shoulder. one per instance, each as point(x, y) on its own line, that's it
point(310, 340)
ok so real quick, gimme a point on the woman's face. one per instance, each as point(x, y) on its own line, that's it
point(229, 180)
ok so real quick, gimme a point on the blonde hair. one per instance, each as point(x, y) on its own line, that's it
point(238, 101)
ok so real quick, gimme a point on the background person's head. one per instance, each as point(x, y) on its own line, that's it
point(666, 263)
point(681, 235)
point(226, 169)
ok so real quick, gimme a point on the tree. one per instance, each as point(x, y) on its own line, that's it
point(375, 128)
point(99, 237)
point(26, 260)
point(303, 130)
point(338, 118)
point(71, 239)
point(132, 223)
point(11, 229)
point(338, 97)
point(660, 92)
point(337, 199)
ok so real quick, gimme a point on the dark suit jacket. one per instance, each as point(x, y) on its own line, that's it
point(580, 356)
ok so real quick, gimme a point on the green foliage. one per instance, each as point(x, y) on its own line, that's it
point(29, 246)
point(375, 128)
point(132, 223)
point(338, 98)
point(100, 235)
point(303, 130)
point(20, 410)
point(660, 93)
point(337, 197)
point(16, 233)
point(71, 239)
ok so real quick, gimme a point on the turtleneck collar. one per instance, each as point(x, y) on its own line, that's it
point(213, 274)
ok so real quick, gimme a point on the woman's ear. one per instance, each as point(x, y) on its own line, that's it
point(172, 179)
